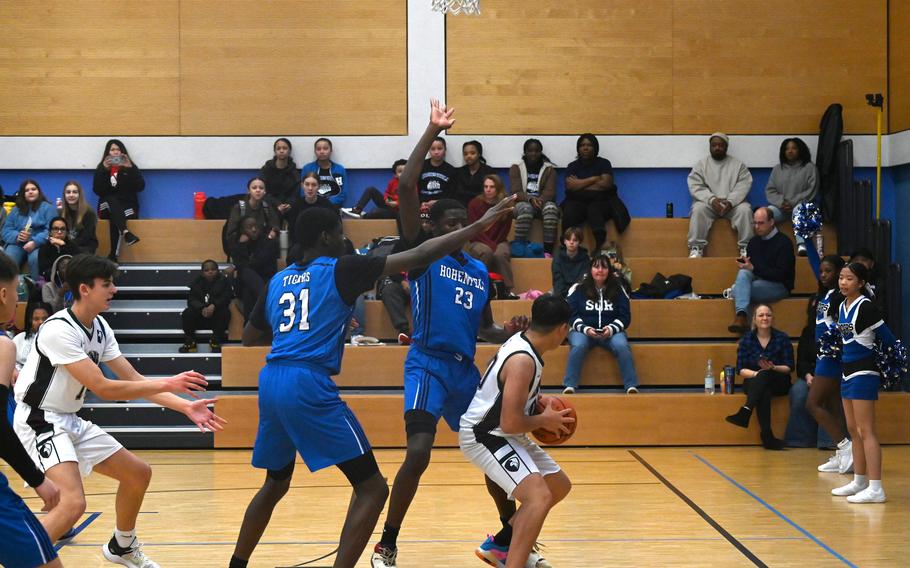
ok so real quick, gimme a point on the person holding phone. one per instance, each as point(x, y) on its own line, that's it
point(601, 314)
point(764, 360)
point(117, 183)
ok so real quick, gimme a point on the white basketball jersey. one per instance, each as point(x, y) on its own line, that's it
point(483, 414)
point(44, 381)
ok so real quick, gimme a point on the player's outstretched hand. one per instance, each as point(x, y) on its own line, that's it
point(555, 420)
point(440, 115)
point(516, 324)
point(198, 411)
point(493, 213)
point(186, 382)
point(49, 494)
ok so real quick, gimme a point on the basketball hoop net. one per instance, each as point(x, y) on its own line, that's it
point(455, 7)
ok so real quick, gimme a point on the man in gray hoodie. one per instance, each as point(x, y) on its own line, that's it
point(719, 185)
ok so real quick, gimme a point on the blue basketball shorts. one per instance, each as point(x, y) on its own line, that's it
point(442, 385)
point(24, 542)
point(828, 367)
point(300, 411)
point(860, 387)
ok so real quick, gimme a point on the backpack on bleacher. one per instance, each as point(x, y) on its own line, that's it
point(220, 207)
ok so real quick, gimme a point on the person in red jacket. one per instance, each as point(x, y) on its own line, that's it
point(492, 246)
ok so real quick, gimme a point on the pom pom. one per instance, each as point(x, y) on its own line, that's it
point(807, 220)
point(893, 362)
point(829, 344)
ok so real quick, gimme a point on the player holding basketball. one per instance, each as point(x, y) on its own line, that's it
point(24, 542)
point(304, 314)
point(494, 430)
point(450, 308)
point(51, 390)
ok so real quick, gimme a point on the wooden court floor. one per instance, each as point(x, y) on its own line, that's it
point(718, 506)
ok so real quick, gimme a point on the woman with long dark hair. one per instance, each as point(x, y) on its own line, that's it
point(281, 176)
point(79, 217)
point(470, 177)
point(117, 184)
point(793, 180)
point(25, 228)
point(601, 314)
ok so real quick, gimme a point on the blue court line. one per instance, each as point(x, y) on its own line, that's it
point(765, 504)
point(443, 541)
point(91, 518)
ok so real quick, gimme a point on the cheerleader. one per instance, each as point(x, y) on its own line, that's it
point(860, 324)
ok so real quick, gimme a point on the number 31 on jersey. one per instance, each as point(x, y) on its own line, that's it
point(289, 315)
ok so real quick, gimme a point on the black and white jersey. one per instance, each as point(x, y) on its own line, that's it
point(44, 381)
point(484, 413)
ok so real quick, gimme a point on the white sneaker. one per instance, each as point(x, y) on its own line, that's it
point(832, 465)
point(132, 558)
point(868, 495)
point(364, 340)
point(568, 390)
point(383, 557)
point(535, 560)
point(743, 252)
point(846, 459)
point(851, 488)
point(696, 252)
point(349, 212)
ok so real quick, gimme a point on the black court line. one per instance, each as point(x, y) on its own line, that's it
point(701, 513)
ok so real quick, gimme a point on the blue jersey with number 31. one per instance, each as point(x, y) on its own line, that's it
point(447, 302)
point(307, 315)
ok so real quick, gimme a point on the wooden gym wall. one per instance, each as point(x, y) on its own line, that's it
point(197, 67)
point(899, 65)
point(665, 66)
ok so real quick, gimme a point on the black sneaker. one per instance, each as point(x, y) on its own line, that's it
point(188, 347)
point(130, 238)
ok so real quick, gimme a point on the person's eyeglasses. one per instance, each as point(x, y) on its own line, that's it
point(59, 229)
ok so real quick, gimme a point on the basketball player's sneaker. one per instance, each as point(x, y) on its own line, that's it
point(492, 553)
point(535, 560)
point(132, 557)
point(383, 557)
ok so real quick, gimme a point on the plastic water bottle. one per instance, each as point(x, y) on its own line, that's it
point(709, 378)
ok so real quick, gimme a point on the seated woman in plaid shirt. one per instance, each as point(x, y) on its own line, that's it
point(764, 360)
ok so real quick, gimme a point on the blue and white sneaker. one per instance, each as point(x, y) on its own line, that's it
point(492, 553)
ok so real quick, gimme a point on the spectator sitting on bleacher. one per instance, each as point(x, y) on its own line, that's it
point(469, 178)
point(81, 220)
point(56, 291)
point(332, 176)
point(570, 263)
point(281, 177)
point(25, 228)
point(437, 178)
point(793, 181)
point(35, 315)
point(253, 205)
point(117, 183)
point(308, 200)
point(386, 203)
point(256, 259)
point(492, 245)
point(207, 307)
point(766, 272)
point(719, 185)
point(589, 185)
point(764, 360)
point(601, 314)
point(533, 180)
point(396, 299)
point(58, 243)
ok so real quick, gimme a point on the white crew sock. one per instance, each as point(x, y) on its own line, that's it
point(860, 480)
point(875, 484)
point(125, 539)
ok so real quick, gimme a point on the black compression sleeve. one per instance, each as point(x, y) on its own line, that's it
point(257, 315)
point(355, 274)
point(11, 449)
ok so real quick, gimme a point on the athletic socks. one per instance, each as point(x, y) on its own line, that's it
point(238, 563)
point(504, 537)
point(125, 539)
point(389, 536)
point(875, 484)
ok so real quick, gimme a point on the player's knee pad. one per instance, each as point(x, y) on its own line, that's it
point(419, 422)
point(282, 474)
point(360, 468)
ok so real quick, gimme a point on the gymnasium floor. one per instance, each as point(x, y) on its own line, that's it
point(723, 506)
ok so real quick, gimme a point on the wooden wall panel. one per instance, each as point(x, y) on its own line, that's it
point(293, 67)
point(561, 67)
point(899, 46)
point(773, 66)
point(92, 67)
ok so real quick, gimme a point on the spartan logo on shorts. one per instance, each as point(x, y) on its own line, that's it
point(510, 462)
point(46, 447)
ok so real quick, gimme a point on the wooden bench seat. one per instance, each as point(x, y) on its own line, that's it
point(655, 419)
point(658, 364)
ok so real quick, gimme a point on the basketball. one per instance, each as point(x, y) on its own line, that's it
point(545, 436)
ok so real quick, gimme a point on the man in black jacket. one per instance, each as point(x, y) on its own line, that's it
point(767, 272)
point(207, 307)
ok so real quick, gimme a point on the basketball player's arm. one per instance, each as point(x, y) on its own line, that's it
point(408, 201)
point(433, 249)
point(131, 385)
point(494, 333)
point(516, 376)
point(257, 332)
